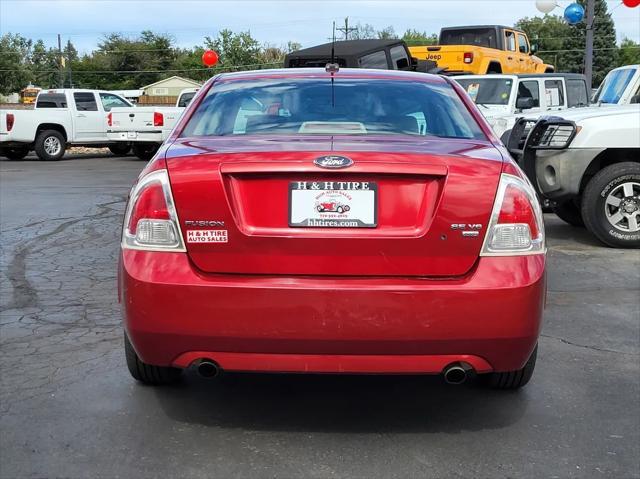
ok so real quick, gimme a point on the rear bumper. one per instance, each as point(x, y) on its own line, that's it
point(140, 136)
point(175, 314)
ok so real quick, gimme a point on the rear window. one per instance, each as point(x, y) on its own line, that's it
point(481, 37)
point(313, 106)
point(51, 100)
point(185, 99)
point(487, 91)
point(577, 93)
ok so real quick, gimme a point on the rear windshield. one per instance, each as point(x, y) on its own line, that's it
point(186, 98)
point(481, 37)
point(312, 106)
point(487, 91)
point(52, 100)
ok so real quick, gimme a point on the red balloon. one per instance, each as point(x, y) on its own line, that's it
point(209, 58)
point(631, 3)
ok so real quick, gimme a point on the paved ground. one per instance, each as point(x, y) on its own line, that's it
point(70, 409)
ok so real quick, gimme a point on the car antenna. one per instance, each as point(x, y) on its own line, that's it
point(332, 67)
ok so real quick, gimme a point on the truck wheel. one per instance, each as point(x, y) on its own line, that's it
point(15, 153)
point(120, 149)
point(611, 205)
point(145, 151)
point(569, 212)
point(146, 373)
point(514, 379)
point(50, 145)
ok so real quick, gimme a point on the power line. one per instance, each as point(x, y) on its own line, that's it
point(118, 72)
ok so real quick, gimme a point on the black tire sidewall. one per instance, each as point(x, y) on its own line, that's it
point(120, 149)
point(14, 153)
point(593, 204)
point(145, 151)
point(569, 212)
point(39, 147)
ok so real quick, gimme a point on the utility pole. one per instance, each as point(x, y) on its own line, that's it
point(346, 29)
point(588, 53)
point(60, 62)
point(68, 60)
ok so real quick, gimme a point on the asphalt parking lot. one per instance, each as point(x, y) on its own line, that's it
point(70, 409)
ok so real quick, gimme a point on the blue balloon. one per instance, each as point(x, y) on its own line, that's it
point(574, 13)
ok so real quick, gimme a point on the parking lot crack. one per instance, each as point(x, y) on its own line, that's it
point(594, 348)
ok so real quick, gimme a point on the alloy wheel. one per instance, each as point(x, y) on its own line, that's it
point(622, 207)
point(52, 146)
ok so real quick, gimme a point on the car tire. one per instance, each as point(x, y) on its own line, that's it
point(340, 209)
point(569, 211)
point(617, 182)
point(147, 373)
point(14, 153)
point(50, 145)
point(120, 149)
point(514, 379)
point(145, 151)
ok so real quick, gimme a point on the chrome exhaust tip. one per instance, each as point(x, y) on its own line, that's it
point(455, 374)
point(207, 368)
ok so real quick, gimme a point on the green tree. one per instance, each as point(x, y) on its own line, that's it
point(45, 65)
point(15, 70)
point(387, 33)
point(629, 53)
point(362, 32)
point(415, 37)
point(236, 50)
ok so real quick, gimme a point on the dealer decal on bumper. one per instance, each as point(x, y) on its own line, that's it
point(207, 236)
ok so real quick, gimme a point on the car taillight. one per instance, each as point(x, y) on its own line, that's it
point(110, 119)
point(516, 226)
point(151, 222)
point(468, 57)
point(158, 118)
point(10, 121)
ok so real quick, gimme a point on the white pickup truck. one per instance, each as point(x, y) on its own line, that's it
point(621, 86)
point(146, 128)
point(61, 118)
point(504, 98)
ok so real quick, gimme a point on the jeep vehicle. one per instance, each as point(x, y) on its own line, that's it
point(482, 49)
point(378, 54)
point(504, 98)
point(587, 161)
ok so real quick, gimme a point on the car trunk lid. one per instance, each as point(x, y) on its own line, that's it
point(244, 206)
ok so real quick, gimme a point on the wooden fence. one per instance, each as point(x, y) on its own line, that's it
point(157, 100)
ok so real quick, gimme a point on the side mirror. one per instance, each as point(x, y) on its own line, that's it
point(525, 103)
point(402, 64)
point(534, 48)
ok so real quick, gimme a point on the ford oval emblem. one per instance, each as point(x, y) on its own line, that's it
point(333, 161)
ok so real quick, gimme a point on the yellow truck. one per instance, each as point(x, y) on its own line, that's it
point(482, 49)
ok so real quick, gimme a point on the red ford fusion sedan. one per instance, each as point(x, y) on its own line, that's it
point(433, 264)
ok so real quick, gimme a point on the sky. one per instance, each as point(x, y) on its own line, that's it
point(274, 22)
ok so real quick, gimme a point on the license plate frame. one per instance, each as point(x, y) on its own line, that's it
point(333, 204)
